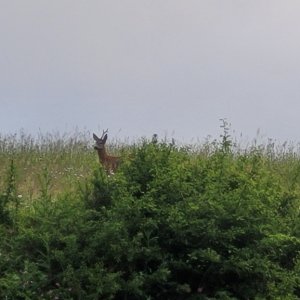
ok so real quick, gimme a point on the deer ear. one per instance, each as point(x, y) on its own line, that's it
point(95, 137)
point(104, 139)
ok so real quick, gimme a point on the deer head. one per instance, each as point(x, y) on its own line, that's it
point(100, 142)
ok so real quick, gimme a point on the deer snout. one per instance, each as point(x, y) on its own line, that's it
point(98, 147)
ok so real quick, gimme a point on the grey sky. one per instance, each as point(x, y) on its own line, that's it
point(151, 66)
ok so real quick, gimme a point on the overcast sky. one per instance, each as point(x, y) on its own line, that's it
point(138, 67)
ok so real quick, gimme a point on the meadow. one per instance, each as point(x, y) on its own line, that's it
point(210, 220)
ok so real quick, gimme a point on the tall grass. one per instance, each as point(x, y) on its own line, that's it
point(69, 158)
point(66, 158)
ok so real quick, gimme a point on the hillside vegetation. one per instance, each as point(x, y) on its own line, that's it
point(207, 222)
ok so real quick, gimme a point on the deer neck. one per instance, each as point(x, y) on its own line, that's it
point(102, 155)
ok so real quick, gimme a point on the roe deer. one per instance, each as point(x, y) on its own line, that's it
point(110, 163)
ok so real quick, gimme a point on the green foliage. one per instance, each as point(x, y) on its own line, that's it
point(9, 198)
point(170, 224)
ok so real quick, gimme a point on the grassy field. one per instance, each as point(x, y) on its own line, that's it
point(68, 159)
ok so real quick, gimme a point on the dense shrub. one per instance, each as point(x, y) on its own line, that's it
point(168, 225)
